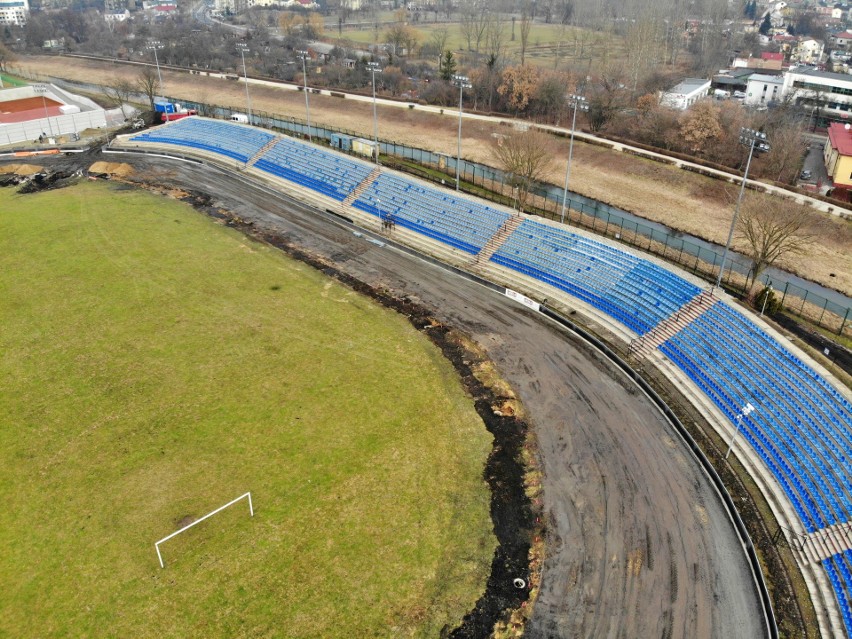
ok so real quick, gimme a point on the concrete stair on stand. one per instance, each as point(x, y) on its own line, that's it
point(358, 190)
point(673, 324)
point(497, 240)
point(260, 153)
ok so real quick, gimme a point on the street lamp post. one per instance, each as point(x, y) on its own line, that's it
point(462, 82)
point(41, 89)
point(747, 410)
point(753, 139)
point(156, 45)
point(579, 103)
point(304, 56)
point(373, 67)
point(242, 47)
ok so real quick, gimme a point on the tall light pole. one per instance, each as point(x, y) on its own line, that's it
point(40, 88)
point(242, 47)
point(753, 139)
point(373, 67)
point(156, 45)
point(462, 82)
point(746, 410)
point(579, 103)
point(304, 56)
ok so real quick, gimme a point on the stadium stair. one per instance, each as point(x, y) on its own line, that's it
point(676, 322)
point(497, 239)
point(827, 542)
point(260, 153)
point(363, 186)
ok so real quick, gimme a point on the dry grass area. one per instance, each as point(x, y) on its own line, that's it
point(684, 201)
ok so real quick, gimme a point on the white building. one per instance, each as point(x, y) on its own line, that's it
point(808, 51)
point(117, 16)
point(685, 94)
point(14, 12)
point(763, 89)
point(829, 93)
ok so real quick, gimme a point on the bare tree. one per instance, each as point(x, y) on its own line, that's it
point(495, 36)
point(526, 25)
point(438, 40)
point(526, 157)
point(119, 92)
point(772, 230)
point(148, 84)
point(6, 57)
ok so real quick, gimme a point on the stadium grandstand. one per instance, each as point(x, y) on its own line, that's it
point(799, 435)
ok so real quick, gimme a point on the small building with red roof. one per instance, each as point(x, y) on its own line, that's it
point(838, 155)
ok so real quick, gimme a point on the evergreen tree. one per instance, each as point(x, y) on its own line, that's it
point(447, 68)
point(765, 26)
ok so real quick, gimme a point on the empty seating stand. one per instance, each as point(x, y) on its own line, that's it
point(225, 138)
point(323, 171)
point(801, 426)
point(457, 221)
point(634, 291)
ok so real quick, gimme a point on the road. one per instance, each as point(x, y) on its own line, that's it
point(638, 542)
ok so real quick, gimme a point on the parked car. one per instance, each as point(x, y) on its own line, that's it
point(806, 175)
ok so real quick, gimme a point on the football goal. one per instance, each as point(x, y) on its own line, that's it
point(198, 521)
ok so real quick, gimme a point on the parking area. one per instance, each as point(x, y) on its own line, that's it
point(813, 170)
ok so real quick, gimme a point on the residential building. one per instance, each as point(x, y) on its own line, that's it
point(808, 51)
point(838, 155)
point(14, 12)
point(763, 89)
point(842, 40)
point(116, 16)
point(685, 94)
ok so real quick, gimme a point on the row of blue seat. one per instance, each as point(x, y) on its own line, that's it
point(237, 142)
point(328, 173)
point(636, 292)
point(456, 221)
point(840, 575)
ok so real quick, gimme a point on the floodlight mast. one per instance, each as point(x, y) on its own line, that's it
point(42, 89)
point(242, 47)
point(578, 102)
point(752, 139)
point(303, 54)
point(462, 82)
point(156, 45)
point(746, 411)
point(373, 67)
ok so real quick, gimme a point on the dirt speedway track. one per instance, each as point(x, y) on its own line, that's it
point(639, 544)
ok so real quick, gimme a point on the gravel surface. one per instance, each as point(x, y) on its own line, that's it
point(638, 543)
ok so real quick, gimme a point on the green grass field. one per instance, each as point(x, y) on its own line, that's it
point(155, 365)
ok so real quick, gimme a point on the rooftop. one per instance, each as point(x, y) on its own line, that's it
point(769, 79)
point(689, 85)
point(816, 73)
point(840, 138)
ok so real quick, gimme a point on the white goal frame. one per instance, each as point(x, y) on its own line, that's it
point(198, 521)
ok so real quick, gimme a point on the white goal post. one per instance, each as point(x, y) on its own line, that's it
point(198, 521)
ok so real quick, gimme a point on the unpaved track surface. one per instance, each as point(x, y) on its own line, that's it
point(639, 545)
